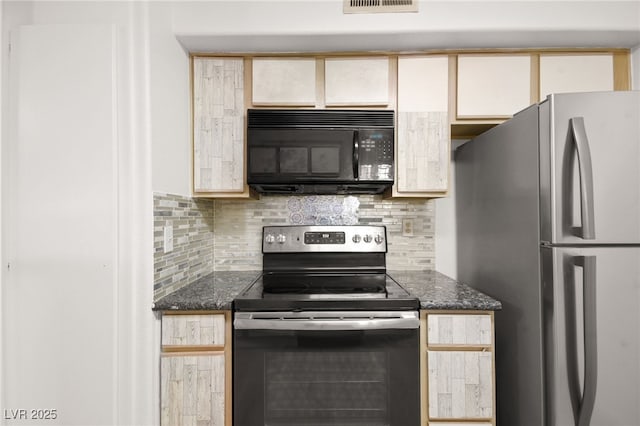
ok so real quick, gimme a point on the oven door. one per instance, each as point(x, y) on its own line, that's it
point(326, 368)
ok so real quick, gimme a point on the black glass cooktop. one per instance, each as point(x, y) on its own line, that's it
point(297, 292)
point(323, 282)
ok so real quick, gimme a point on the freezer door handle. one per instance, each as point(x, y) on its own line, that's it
point(583, 401)
point(579, 133)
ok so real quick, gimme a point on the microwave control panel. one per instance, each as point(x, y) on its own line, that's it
point(375, 154)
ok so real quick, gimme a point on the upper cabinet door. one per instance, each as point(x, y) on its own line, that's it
point(423, 125)
point(284, 81)
point(357, 81)
point(423, 83)
point(493, 86)
point(218, 125)
point(575, 73)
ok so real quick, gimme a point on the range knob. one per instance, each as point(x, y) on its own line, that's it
point(378, 239)
point(367, 238)
point(281, 238)
point(356, 238)
point(269, 238)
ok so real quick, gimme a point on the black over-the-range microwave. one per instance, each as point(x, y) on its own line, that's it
point(313, 151)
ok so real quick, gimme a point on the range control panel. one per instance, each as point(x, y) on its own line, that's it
point(312, 238)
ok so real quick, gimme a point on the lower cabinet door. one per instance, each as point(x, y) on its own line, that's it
point(192, 389)
point(460, 386)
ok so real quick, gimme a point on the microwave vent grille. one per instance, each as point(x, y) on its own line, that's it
point(274, 118)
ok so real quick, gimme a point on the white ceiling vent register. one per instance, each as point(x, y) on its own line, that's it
point(377, 6)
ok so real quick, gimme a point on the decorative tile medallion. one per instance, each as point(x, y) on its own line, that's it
point(323, 210)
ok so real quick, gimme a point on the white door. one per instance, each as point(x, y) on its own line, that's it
point(59, 298)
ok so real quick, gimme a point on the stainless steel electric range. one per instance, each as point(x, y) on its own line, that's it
point(325, 336)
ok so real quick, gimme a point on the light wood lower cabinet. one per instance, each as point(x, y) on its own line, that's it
point(460, 384)
point(193, 390)
point(458, 372)
point(195, 369)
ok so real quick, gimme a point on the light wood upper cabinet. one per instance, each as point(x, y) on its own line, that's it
point(563, 73)
point(423, 83)
point(354, 81)
point(422, 152)
point(284, 81)
point(493, 85)
point(436, 97)
point(218, 126)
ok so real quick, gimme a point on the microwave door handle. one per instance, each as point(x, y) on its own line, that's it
point(356, 154)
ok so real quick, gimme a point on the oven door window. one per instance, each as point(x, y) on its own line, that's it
point(327, 387)
point(326, 378)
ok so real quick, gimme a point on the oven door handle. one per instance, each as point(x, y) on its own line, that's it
point(325, 324)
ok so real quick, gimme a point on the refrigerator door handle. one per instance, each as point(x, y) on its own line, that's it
point(584, 409)
point(579, 133)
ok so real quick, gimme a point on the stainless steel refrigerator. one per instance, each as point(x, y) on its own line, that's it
point(548, 222)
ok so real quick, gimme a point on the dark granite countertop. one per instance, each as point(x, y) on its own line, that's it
point(213, 292)
point(217, 290)
point(438, 291)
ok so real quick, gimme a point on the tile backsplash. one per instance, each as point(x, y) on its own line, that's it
point(226, 235)
point(192, 254)
point(238, 226)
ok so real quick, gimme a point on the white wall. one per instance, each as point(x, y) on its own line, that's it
point(304, 25)
point(123, 349)
point(62, 148)
point(445, 240)
point(170, 104)
point(2, 182)
point(20, 14)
